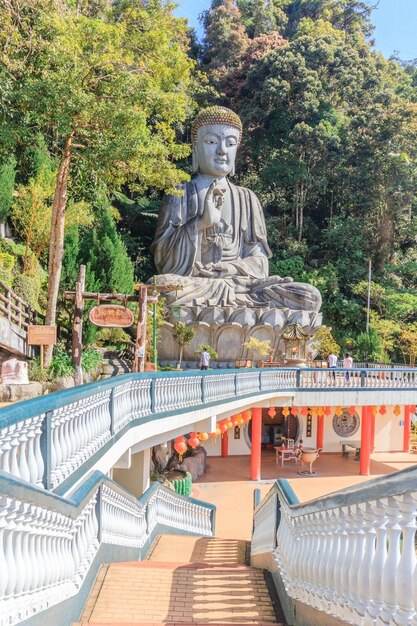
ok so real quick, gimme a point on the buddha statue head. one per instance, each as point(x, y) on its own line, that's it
point(216, 133)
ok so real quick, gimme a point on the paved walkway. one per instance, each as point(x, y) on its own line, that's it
point(186, 580)
point(227, 483)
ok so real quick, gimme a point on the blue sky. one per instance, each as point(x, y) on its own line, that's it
point(395, 21)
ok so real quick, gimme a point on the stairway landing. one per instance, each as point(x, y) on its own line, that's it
point(186, 580)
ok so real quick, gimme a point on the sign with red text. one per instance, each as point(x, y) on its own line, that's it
point(111, 315)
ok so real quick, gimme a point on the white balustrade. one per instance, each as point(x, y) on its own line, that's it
point(264, 535)
point(354, 561)
point(45, 554)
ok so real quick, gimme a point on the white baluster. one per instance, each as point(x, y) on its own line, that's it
point(407, 564)
point(389, 572)
point(5, 504)
point(24, 472)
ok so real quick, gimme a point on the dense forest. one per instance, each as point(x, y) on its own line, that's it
point(96, 102)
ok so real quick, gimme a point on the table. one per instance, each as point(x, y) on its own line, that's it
point(351, 443)
point(286, 455)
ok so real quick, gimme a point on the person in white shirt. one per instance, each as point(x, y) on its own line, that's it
point(332, 362)
point(204, 360)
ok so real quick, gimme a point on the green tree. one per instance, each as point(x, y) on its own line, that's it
point(105, 87)
point(184, 335)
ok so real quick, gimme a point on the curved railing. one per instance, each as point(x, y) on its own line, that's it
point(350, 554)
point(48, 543)
point(44, 440)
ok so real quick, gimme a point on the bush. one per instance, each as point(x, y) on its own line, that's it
point(61, 365)
point(112, 337)
point(92, 360)
point(36, 373)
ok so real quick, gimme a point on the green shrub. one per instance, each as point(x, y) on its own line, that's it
point(36, 373)
point(61, 364)
point(112, 337)
point(92, 360)
point(7, 262)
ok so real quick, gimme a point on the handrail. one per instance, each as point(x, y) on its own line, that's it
point(48, 543)
point(44, 440)
point(350, 554)
point(15, 308)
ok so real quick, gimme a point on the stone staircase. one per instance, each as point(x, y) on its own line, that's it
point(114, 364)
point(185, 580)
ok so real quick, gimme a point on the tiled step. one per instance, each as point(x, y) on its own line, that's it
point(199, 549)
point(149, 592)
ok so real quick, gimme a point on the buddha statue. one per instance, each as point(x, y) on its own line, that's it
point(211, 238)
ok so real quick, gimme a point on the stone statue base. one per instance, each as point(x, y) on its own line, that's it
point(227, 329)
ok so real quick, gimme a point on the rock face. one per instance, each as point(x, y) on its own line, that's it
point(16, 393)
point(14, 372)
point(196, 463)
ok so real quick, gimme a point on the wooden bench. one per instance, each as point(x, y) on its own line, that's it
point(355, 444)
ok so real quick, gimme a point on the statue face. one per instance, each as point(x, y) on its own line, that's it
point(215, 149)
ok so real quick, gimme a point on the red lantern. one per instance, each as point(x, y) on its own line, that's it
point(304, 411)
point(313, 411)
point(193, 435)
point(194, 442)
point(352, 410)
point(223, 426)
point(327, 410)
point(383, 409)
point(181, 448)
point(272, 412)
point(233, 419)
point(229, 424)
point(246, 416)
point(178, 439)
point(239, 421)
point(203, 436)
point(294, 410)
point(412, 408)
point(320, 411)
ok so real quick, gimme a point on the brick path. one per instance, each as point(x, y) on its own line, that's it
point(186, 580)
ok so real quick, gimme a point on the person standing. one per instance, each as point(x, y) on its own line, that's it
point(332, 362)
point(348, 364)
point(204, 359)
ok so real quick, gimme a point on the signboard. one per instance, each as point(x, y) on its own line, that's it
point(111, 315)
point(41, 335)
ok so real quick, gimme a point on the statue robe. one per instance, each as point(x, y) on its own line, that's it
point(182, 251)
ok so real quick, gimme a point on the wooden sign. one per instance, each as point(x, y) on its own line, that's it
point(111, 315)
point(41, 335)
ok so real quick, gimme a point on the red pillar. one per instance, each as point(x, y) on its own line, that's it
point(373, 418)
point(225, 443)
point(255, 459)
point(366, 435)
point(407, 428)
point(320, 431)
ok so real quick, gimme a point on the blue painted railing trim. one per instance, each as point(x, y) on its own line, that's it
point(21, 490)
point(41, 404)
point(288, 491)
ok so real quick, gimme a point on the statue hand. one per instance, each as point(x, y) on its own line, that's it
point(212, 205)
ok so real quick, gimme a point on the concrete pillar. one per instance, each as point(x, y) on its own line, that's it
point(407, 428)
point(373, 418)
point(136, 478)
point(366, 435)
point(320, 432)
point(225, 444)
point(255, 459)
